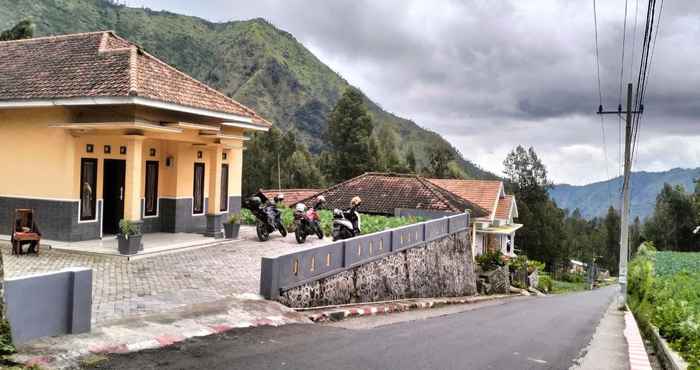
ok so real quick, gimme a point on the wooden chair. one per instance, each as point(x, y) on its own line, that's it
point(24, 229)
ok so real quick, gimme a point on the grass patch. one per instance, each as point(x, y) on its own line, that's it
point(560, 287)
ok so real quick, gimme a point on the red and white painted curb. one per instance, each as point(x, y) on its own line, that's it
point(384, 308)
point(639, 360)
point(161, 341)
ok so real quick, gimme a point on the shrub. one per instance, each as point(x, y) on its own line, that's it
point(664, 290)
point(490, 260)
point(544, 283)
point(573, 278)
point(518, 263)
point(370, 223)
point(533, 265)
point(128, 228)
point(234, 218)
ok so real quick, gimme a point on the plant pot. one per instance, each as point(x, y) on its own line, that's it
point(130, 245)
point(231, 230)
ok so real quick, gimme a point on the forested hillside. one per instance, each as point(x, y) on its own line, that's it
point(252, 61)
point(593, 199)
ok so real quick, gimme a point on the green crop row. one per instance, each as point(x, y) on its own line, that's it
point(370, 223)
point(664, 290)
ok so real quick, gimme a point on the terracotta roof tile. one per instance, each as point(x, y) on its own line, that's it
point(382, 193)
point(102, 64)
point(504, 207)
point(481, 192)
point(292, 196)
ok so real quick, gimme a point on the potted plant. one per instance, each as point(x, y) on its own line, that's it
point(232, 227)
point(129, 237)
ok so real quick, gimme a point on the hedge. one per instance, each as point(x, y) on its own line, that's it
point(370, 223)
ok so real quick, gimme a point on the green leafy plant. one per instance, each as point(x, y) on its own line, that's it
point(491, 260)
point(234, 218)
point(544, 283)
point(128, 228)
point(664, 290)
point(370, 223)
point(576, 278)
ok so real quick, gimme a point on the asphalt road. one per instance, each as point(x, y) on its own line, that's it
point(529, 333)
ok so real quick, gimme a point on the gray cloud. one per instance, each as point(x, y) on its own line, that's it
point(493, 74)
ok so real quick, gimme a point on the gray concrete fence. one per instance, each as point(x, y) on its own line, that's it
point(49, 304)
point(295, 269)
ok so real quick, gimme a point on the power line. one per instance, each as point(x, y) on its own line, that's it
point(600, 98)
point(646, 62)
point(648, 72)
point(619, 101)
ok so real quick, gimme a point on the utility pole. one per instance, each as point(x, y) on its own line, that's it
point(624, 217)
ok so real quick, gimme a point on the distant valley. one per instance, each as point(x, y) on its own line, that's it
point(594, 199)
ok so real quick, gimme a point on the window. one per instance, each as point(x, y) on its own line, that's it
point(151, 192)
point(198, 193)
point(224, 187)
point(88, 188)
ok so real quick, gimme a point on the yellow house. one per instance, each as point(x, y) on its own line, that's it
point(94, 130)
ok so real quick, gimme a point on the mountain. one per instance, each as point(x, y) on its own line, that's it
point(594, 199)
point(251, 61)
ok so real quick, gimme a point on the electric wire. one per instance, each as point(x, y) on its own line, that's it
point(600, 98)
point(648, 73)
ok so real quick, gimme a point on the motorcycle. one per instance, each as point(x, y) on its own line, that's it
point(346, 224)
point(267, 217)
point(306, 222)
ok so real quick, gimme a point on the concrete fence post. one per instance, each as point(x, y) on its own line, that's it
point(81, 300)
point(269, 278)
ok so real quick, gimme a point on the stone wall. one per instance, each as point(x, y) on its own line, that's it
point(439, 268)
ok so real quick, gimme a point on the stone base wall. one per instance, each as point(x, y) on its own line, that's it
point(440, 268)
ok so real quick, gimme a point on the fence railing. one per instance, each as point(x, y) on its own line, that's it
point(294, 269)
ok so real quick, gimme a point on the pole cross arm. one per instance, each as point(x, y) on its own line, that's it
point(619, 110)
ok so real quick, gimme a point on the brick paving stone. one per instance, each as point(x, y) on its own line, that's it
point(157, 284)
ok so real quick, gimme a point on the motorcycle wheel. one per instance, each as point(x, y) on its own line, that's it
point(318, 231)
point(262, 232)
point(282, 230)
point(300, 235)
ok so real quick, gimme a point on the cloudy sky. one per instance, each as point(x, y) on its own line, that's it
point(489, 75)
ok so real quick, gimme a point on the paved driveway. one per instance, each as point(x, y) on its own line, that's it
point(162, 283)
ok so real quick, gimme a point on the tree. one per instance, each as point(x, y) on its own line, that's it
point(675, 216)
point(387, 139)
point(609, 252)
point(22, 30)
point(268, 151)
point(526, 172)
point(411, 161)
point(438, 161)
point(348, 137)
point(635, 236)
point(544, 234)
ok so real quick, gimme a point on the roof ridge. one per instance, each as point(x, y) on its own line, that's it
point(442, 198)
point(207, 87)
point(64, 36)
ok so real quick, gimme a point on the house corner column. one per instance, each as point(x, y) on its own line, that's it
point(214, 215)
point(134, 173)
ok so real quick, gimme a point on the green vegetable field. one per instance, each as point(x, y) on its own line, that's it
point(664, 290)
point(370, 223)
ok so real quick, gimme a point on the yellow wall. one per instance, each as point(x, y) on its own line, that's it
point(37, 161)
point(44, 162)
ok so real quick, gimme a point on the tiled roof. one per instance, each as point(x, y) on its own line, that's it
point(102, 64)
point(292, 196)
point(481, 192)
point(382, 193)
point(504, 207)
